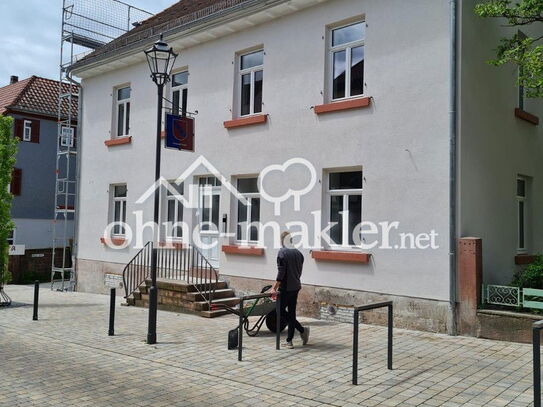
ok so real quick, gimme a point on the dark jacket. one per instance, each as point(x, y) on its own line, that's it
point(289, 269)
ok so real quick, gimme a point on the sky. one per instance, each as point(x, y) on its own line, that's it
point(30, 35)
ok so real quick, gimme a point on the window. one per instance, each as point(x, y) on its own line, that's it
point(119, 209)
point(174, 211)
point(180, 90)
point(347, 60)
point(250, 213)
point(345, 205)
point(251, 77)
point(123, 111)
point(27, 130)
point(67, 136)
point(521, 209)
point(11, 237)
point(521, 96)
point(209, 203)
point(16, 182)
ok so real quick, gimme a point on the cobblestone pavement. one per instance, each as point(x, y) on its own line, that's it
point(67, 359)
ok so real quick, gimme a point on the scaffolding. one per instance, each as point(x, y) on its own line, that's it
point(86, 26)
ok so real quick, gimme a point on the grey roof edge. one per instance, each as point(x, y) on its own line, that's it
point(243, 9)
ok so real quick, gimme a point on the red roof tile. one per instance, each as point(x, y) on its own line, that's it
point(35, 95)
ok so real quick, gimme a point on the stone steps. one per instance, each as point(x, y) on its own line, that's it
point(180, 296)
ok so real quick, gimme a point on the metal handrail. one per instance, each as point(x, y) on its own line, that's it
point(137, 269)
point(173, 263)
point(367, 307)
point(536, 343)
point(242, 318)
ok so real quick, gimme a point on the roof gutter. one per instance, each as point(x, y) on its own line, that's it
point(453, 194)
point(204, 23)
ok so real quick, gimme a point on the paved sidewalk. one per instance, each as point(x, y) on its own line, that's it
point(67, 359)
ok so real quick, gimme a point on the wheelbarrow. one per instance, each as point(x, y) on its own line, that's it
point(261, 307)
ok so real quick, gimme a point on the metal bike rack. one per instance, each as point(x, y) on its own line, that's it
point(367, 307)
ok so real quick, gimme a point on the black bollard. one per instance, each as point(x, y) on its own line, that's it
point(111, 331)
point(151, 333)
point(36, 297)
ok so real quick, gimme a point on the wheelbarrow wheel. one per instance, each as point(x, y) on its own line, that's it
point(271, 321)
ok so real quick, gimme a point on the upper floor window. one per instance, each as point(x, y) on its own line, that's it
point(345, 205)
point(347, 60)
point(251, 77)
point(248, 214)
point(180, 91)
point(521, 93)
point(67, 136)
point(123, 110)
point(119, 209)
point(27, 130)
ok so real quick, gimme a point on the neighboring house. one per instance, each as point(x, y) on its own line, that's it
point(33, 104)
point(363, 90)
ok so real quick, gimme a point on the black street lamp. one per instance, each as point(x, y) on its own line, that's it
point(160, 59)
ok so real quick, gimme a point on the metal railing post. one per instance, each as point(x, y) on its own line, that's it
point(536, 342)
point(240, 330)
point(36, 298)
point(151, 332)
point(390, 319)
point(111, 331)
point(355, 347)
point(278, 322)
point(356, 312)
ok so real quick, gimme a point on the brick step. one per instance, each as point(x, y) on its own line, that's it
point(174, 308)
point(189, 296)
point(217, 294)
point(182, 286)
point(204, 306)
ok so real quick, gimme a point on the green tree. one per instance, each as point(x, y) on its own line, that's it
point(8, 149)
point(525, 51)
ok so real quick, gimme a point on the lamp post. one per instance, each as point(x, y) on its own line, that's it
point(160, 59)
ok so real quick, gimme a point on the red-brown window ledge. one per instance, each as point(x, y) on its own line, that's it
point(530, 118)
point(522, 259)
point(116, 241)
point(347, 257)
point(246, 121)
point(343, 105)
point(244, 250)
point(171, 245)
point(118, 141)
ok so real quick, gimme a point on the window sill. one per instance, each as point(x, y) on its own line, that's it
point(243, 250)
point(530, 118)
point(523, 259)
point(171, 245)
point(118, 141)
point(116, 241)
point(350, 104)
point(246, 121)
point(346, 257)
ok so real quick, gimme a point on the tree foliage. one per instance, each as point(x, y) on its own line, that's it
point(8, 149)
point(526, 52)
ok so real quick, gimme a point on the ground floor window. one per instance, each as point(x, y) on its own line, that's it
point(119, 209)
point(174, 211)
point(521, 213)
point(345, 205)
point(248, 213)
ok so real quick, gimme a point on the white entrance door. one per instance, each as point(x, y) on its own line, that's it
point(208, 218)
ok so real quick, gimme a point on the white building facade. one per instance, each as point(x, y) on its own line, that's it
point(361, 90)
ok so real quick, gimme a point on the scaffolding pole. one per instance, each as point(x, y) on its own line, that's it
point(86, 26)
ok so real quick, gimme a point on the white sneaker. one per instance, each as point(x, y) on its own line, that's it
point(288, 345)
point(305, 335)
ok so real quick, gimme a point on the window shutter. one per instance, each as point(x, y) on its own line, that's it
point(35, 131)
point(18, 129)
point(16, 181)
